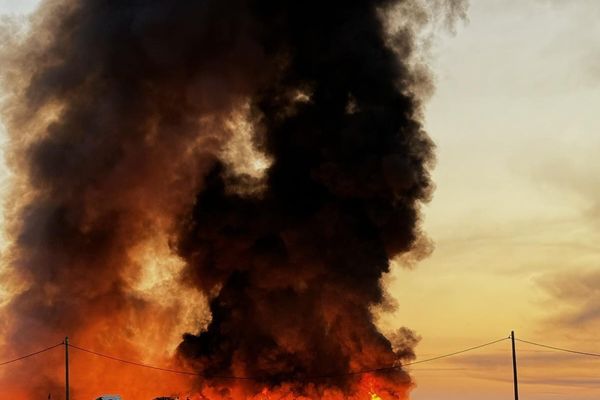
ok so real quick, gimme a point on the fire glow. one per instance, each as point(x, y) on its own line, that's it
point(212, 186)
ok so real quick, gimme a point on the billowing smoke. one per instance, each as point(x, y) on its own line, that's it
point(259, 160)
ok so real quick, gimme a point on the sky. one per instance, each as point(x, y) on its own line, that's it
point(514, 217)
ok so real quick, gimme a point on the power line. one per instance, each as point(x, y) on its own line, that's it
point(559, 348)
point(395, 367)
point(458, 352)
point(137, 364)
point(326, 376)
point(31, 354)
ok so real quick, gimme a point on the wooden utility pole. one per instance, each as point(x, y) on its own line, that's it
point(514, 362)
point(67, 368)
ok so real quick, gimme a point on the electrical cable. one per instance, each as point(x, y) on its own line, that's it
point(326, 376)
point(559, 348)
point(458, 352)
point(137, 364)
point(31, 354)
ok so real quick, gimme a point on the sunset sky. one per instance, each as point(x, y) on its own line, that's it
point(514, 218)
point(515, 213)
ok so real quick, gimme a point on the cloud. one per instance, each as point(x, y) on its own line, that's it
point(576, 296)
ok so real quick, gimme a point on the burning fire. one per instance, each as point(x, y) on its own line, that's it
point(215, 187)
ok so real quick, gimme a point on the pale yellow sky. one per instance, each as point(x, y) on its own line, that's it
point(515, 215)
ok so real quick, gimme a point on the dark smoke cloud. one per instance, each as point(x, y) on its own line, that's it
point(119, 113)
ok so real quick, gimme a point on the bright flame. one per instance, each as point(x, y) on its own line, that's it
point(265, 394)
point(374, 396)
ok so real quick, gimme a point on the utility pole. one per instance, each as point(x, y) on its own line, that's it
point(514, 362)
point(67, 368)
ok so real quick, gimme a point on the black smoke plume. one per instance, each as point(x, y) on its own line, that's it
point(276, 150)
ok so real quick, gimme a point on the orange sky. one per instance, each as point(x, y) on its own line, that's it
point(515, 215)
